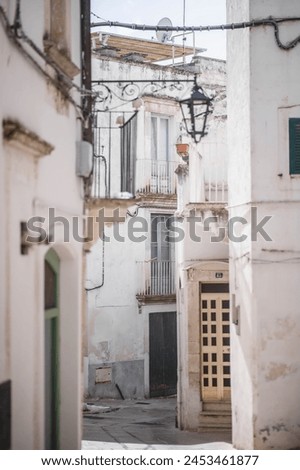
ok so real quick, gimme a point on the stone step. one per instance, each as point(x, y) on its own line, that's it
point(215, 420)
point(212, 429)
point(215, 416)
point(216, 406)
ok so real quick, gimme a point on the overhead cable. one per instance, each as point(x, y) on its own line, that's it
point(270, 21)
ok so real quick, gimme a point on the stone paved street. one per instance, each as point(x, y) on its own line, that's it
point(143, 424)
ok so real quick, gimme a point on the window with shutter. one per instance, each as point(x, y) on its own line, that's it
point(128, 154)
point(160, 140)
point(294, 138)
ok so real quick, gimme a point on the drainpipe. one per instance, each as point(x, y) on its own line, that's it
point(86, 78)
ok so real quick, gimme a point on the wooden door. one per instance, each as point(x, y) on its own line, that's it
point(163, 354)
point(215, 343)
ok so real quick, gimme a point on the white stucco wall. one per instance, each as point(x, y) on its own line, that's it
point(29, 186)
point(118, 329)
point(264, 274)
point(202, 194)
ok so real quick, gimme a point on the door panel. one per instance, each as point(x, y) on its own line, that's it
point(215, 346)
point(163, 353)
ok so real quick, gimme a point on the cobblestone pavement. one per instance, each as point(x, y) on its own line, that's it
point(143, 424)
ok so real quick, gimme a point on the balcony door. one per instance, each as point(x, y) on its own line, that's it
point(160, 155)
point(162, 255)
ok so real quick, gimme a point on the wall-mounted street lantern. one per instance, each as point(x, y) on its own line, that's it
point(195, 111)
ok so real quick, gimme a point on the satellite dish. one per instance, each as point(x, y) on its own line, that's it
point(164, 35)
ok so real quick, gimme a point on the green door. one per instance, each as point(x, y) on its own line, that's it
point(51, 350)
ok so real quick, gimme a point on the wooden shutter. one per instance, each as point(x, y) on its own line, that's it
point(128, 154)
point(294, 137)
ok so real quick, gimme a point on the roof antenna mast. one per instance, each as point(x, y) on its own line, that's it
point(184, 36)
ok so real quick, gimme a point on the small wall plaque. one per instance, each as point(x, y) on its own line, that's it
point(103, 375)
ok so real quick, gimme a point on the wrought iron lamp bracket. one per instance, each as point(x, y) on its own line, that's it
point(110, 94)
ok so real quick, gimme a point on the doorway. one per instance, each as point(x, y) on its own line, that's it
point(51, 349)
point(215, 342)
point(163, 354)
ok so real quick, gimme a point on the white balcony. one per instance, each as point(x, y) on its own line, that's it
point(216, 191)
point(156, 176)
point(152, 177)
point(157, 278)
point(214, 167)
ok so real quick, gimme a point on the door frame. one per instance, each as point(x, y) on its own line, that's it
point(52, 314)
point(206, 272)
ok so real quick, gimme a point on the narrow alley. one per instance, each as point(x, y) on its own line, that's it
point(142, 424)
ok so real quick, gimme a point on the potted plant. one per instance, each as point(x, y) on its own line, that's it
point(183, 150)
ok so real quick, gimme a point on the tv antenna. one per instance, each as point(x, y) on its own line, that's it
point(164, 35)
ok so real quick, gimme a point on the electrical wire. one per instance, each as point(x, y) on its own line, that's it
point(135, 213)
point(247, 256)
point(105, 171)
point(17, 19)
point(97, 16)
point(89, 289)
point(17, 43)
point(271, 21)
point(50, 62)
point(16, 34)
point(283, 261)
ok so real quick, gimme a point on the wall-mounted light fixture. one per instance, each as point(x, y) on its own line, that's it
point(195, 111)
point(27, 240)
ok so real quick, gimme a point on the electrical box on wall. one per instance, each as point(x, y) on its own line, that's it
point(235, 314)
point(84, 158)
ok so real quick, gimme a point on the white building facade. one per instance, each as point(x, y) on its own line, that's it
point(204, 396)
point(41, 283)
point(134, 266)
point(132, 332)
point(263, 132)
point(135, 337)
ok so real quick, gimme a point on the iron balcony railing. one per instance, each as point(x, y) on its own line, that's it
point(214, 171)
point(157, 278)
point(156, 176)
point(152, 177)
point(216, 191)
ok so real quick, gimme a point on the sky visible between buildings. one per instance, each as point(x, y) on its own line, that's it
point(197, 12)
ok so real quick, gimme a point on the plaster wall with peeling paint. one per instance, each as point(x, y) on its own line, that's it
point(263, 93)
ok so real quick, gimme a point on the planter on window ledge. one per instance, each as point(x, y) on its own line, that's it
point(183, 151)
